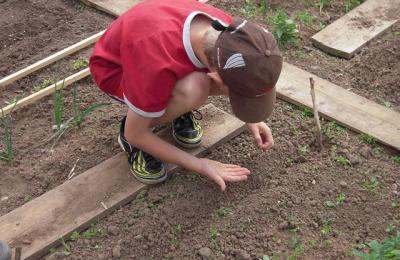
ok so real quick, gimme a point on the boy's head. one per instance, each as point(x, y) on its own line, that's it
point(247, 58)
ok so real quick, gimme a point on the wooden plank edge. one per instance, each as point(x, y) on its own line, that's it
point(49, 60)
point(331, 118)
point(236, 127)
point(99, 7)
point(43, 92)
point(344, 54)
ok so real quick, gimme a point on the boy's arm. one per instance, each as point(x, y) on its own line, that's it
point(138, 134)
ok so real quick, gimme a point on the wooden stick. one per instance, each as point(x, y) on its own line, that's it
point(45, 92)
point(52, 58)
point(316, 116)
point(18, 253)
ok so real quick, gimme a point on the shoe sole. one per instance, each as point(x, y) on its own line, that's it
point(186, 145)
point(142, 180)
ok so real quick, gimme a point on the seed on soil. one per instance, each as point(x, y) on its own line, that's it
point(205, 253)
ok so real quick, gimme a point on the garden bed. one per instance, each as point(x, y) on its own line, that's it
point(297, 202)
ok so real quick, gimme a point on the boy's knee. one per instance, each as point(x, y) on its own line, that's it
point(193, 89)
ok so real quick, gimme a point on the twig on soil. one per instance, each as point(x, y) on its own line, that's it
point(72, 171)
point(104, 205)
point(316, 116)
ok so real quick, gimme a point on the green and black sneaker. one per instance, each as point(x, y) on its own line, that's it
point(187, 131)
point(144, 167)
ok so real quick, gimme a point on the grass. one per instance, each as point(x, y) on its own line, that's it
point(250, 9)
point(396, 158)
point(324, 3)
point(332, 129)
point(340, 199)
point(214, 234)
point(221, 212)
point(283, 29)
point(8, 152)
point(91, 232)
point(327, 228)
point(75, 121)
point(58, 106)
point(388, 249)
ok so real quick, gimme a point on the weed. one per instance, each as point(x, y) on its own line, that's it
point(390, 229)
point(396, 158)
point(350, 4)
point(342, 160)
point(329, 204)
point(79, 64)
point(388, 249)
point(340, 199)
point(221, 212)
point(332, 129)
point(306, 112)
point(214, 234)
point(327, 227)
point(305, 17)
point(395, 205)
point(387, 104)
point(367, 138)
point(75, 236)
point(66, 249)
point(303, 149)
point(378, 151)
point(371, 184)
point(250, 9)
point(176, 232)
point(141, 196)
point(283, 28)
point(45, 83)
point(92, 232)
point(264, 6)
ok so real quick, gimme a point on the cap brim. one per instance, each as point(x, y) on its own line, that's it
point(253, 110)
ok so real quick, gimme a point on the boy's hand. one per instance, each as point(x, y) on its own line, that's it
point(221, 173)
point(261, 134)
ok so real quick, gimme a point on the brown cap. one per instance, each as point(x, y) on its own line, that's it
point(249, 62)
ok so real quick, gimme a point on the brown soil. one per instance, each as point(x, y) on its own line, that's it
point(282, 206)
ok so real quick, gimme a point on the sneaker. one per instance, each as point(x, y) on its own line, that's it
point(5, 251)
point(144, 167)
point(187, 131)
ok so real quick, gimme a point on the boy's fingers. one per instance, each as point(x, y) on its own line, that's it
point(238, 178)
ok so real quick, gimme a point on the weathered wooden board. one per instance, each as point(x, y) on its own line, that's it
point(74, 205)
point(347, 35)
point(343, 106)
point(113, 7)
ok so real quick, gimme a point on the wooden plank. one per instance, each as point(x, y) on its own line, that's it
point(351, 110)
point(113, 7)
point(347, 35)
point(49, 60)
point(44, 92)
point(74, 205)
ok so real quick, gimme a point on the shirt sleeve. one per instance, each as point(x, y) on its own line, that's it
point(147, 78)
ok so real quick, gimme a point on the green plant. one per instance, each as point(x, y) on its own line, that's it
point(221, 212)
point(303, 149)
point(332, 129)
point(371, 184)
point(340, 199)
point(329, 204)
point(396, 158)
point(326, 228)
point(214, 234)
point(75, 236)
point(8, 152)
point(367, 138)
point(378, 151)
point(45, 83)
point(58, 106)
point(342, 160)
point(388, 249)
point(264, 6)
point(395, 205)
point(284, 29)
point(250, 9)
point(66, 249)
point(306, 112)
point(79, 64)
point(305, 17)
point(324, 3)
point(350, 4)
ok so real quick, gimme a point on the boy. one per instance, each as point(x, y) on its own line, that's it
point(163, 59)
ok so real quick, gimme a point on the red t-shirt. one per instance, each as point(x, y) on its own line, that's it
point(146, 51)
